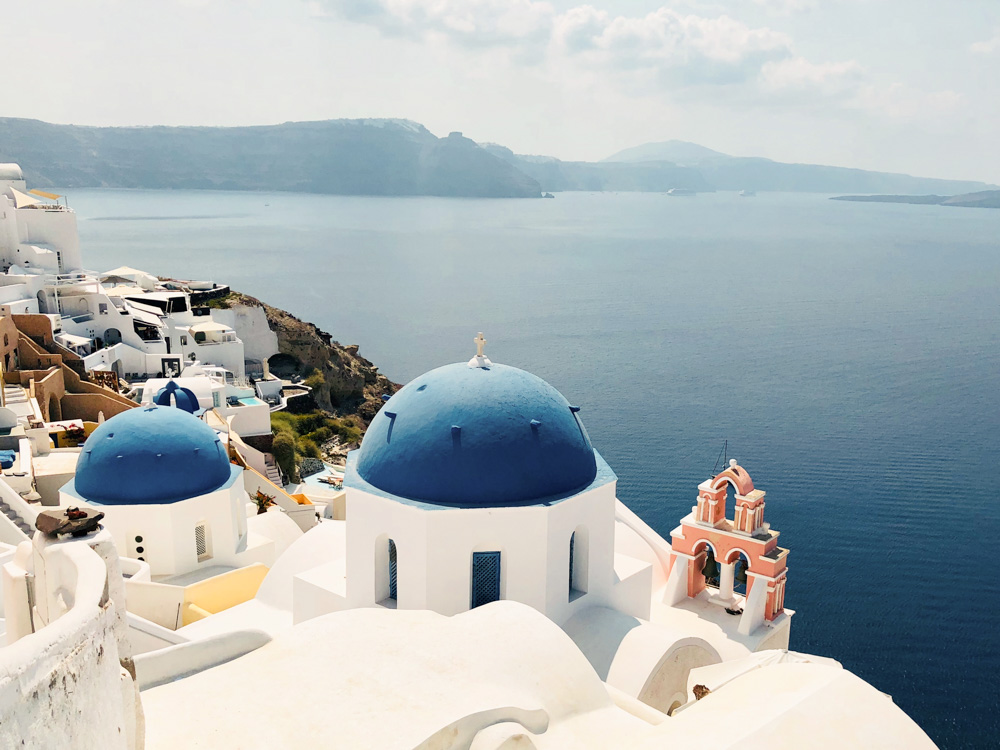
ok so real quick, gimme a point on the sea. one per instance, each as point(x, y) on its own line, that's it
point(847, 354)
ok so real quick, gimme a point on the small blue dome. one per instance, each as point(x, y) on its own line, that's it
point(476, 436)
point(151, 455)
point(174, 395)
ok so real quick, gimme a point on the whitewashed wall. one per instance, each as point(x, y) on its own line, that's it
point(168, 531)
point(434, 553)
point(250, 324)
point(67, 685)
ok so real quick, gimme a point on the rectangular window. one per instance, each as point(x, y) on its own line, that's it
point(201, 542)
point(485, 578)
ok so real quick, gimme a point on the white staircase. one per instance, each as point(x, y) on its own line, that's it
point(16, 519)
point(272, 471)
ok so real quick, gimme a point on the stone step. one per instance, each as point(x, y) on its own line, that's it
point(14, 517)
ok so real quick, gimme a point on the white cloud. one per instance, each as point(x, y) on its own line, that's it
point(787, 7)
point(988, 47)
point(905, 102)
point(673, 49)
point(665, 50)
point(796, 75)
point(470, 22)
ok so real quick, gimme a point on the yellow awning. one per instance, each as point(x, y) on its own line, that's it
point(43, 194)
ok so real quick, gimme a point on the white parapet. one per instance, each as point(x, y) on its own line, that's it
point(67, 658)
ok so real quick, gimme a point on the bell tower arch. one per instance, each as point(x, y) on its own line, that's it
point(734, 562)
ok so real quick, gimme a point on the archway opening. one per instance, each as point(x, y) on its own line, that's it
point(740, 576)
point(710, 569)
point(54, 408)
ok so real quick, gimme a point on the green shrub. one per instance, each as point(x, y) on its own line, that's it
point(320, 436)
point(283, 449)
point(221, 303)
point(307, 447)
point(315, 380)
point(348, 432)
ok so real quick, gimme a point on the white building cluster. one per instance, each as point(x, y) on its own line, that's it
point(124, 320)
point(476, 583)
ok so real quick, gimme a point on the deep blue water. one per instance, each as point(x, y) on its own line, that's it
point(850, 354)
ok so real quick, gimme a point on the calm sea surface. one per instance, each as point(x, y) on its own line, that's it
point(850, 354)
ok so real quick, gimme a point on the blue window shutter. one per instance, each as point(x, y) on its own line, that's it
point(485, 578)
point(392, 569)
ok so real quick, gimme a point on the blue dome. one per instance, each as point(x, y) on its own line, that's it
point(465, 435)
point(151, 455)
point(174, 395)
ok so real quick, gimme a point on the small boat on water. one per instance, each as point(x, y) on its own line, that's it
point(681, 192)
point(748, 194)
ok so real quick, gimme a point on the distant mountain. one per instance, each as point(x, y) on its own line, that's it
point(739, 173)
point(981, 199)
point(679, 152)
point(353, 157)
point(557, 175)
point(400, 157)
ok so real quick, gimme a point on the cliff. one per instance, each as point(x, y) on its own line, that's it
point(351, 386)
point(345, 157)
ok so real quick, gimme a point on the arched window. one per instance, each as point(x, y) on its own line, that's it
point(392, 569)
point(572, 544)
point(579, 557)
point(485, 586)
point(385, 570)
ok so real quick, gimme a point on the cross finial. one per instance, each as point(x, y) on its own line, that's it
point(480, 360)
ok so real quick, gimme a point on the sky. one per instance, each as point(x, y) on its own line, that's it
point(896, 85)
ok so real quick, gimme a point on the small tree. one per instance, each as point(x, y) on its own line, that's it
point(283, 449)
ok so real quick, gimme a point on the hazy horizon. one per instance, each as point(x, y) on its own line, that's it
point(872, 84)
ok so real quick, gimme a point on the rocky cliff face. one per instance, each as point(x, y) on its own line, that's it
point(350, 386)
point(340, 157)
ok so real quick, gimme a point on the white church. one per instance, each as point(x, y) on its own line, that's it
point(486, 590)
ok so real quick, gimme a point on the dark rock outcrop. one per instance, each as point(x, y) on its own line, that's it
point(350, 385)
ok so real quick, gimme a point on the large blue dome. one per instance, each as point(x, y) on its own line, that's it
point(493, 436)
point(151, 455)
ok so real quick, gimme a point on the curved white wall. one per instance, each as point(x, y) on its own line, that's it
point(64, 685)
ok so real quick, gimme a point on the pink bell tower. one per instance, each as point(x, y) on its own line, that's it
point(707, 548)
